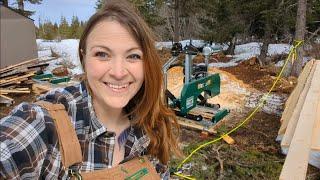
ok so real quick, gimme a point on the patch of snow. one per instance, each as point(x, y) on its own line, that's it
point(280, 63)
point(221, 64)
point(246, 51)
point(44, 53)
point(67, 49)
point(275, 49)
point(161, 45)
point(252, 47)
point(274, 102)
point(168, 44)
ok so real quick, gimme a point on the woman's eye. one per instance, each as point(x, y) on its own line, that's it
point(101, 54)
point(134, 56)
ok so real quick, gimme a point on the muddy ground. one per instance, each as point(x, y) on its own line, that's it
point(255, 154)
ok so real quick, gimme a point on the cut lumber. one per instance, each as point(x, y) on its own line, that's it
point(194, 125)
point(293, 98)
point(13, 91)
point(11, 74)
point(43, 65)
point(13, 83)
point(6, 97)
point(296, 163)
point(41, 88)
point(228, 139)
point(9, 77)
point(19, 64)
point(315, 142)
point(22, 89)
point(17, 78)
point(6, 100)
point(292, 123)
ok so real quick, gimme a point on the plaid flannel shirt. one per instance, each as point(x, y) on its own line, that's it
point(29, 144)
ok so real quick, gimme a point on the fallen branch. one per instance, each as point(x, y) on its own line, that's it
point(218, 157)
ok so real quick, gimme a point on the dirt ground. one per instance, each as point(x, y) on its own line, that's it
point(255, 154)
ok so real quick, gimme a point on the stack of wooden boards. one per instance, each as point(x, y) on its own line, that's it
point(17, 78)
point(300, 129)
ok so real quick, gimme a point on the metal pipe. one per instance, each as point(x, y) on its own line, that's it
point(187, 68)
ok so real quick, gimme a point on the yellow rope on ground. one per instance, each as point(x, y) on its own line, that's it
point(293, 54)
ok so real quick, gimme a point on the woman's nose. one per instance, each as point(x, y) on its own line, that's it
point(118, 69)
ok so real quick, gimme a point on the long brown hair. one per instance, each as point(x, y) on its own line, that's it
point(147, 106)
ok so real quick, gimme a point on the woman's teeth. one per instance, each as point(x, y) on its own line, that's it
point(115, 86)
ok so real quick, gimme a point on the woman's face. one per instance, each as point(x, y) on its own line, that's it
point(113, 64)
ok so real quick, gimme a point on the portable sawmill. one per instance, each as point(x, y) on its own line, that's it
point(197, 88)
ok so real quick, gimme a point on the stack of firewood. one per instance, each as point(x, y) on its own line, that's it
point(16, 79)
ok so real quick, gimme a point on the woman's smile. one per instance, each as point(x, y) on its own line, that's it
point(118, 88)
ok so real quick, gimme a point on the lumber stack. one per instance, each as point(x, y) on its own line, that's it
point(17, 78)
point(300, 129)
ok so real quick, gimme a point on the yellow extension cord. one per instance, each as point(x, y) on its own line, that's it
point(293, 55)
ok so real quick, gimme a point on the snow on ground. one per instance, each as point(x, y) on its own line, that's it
point(67, 50)
point(242, 52)
point(249, 50)
point(168, 44)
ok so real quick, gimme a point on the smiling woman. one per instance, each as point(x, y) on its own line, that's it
point(117, 112)
point(113, 65)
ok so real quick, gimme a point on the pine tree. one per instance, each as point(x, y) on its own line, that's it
point(99, 4)
point(74, 27)
point(64, 29)
point(21, 6)
point(49, 30)
point(147, 8)
point(221, 22)
point(80, 29)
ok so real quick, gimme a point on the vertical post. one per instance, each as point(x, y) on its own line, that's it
point(187, 68)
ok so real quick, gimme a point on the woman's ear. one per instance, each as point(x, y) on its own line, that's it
point(82, 52)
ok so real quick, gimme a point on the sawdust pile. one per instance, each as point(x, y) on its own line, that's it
point(233, 91)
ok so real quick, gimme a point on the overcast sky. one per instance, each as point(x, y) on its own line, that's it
point(53, 9)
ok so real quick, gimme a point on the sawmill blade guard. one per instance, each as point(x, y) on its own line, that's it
point(198, 86)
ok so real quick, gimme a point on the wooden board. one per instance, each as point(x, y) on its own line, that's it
point(294, 96)
point(206, 113)
point(13, 91)
point(296, 163)
point(315, 141)
point(6, 97)
point(17, 78)
point(228, 139)
point(13, 82)
point(292, 123)
point(19, 64)
point(195, 125)
point(6, 100)
point(39, 88)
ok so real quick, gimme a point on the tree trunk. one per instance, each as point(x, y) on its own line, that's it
point(20, 5)
point(176, 21)
point(299, 36)
point(232, 46)
point(263, 53)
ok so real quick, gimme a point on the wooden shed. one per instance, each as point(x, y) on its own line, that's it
point(18, 37)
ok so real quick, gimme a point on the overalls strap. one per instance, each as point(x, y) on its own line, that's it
point(68, 141)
